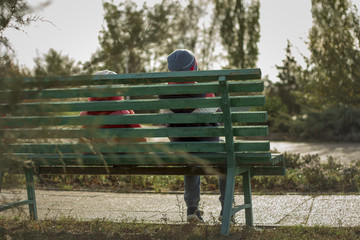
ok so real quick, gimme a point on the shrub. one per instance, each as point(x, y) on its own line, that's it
point(307, 174)
point(334, 124)
point(340, 124)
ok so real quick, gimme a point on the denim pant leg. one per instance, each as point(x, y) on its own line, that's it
point(222, 186)
point(192, 191)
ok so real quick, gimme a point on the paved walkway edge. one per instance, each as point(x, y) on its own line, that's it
point(268, 210)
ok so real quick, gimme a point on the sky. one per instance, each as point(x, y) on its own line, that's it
point(72, 28)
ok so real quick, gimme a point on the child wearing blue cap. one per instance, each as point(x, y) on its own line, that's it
point(184, 60)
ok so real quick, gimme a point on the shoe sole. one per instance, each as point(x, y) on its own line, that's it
point(194, 219)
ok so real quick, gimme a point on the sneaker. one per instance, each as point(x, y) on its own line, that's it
point(194, 215)
point(232, 219)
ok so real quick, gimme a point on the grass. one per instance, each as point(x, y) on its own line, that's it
point(304, 174)
point(69, 228)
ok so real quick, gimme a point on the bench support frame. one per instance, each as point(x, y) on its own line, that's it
point(233, 157)
point(30, 189)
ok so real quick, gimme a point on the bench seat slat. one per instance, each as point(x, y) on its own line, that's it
point(261, 158)
point(133, 133)
point(269, 171)
point(142, 90)
point(277, 158)
point(158, 170)
point(36, 108)
point(23, 122)
point(136, 170)
point(239, 146)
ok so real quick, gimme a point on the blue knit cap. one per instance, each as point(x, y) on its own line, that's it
point(182, 60)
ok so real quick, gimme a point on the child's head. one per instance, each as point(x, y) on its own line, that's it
point(105, 72)
point(182, 60)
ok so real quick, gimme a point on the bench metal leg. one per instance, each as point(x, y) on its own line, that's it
point(31, 192)
point(229, 196)
point(247, 198)
point(1, 179)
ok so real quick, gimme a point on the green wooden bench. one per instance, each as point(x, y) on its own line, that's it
point(43, 132)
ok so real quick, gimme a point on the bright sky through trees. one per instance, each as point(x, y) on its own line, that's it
point(75, 26)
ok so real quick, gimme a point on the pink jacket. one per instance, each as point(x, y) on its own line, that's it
point(119, 112)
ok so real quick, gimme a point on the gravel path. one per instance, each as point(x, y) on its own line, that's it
point(344, 152)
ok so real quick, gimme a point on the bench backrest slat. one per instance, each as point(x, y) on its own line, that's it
point(138, 147)
point(37, 108)
point(134, 133)
point(43, 115)
point(136, 90)
point(240, 117)
point(135, 78)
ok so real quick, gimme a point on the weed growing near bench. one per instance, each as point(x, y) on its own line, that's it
point(307, 174)
point(68, 228)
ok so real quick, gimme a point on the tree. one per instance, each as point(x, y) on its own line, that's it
point(55, 64)
point(9, 68)
point(14, 14)
point(129, 35)
point(189, 28)
point(208, 41)
point(334, 42)
point(139, 39)
point(239, 30)
point(291, 77)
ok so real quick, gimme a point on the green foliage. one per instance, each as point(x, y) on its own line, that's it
point(12, 179)
point(70, 228)
point(184, 27)
point(334, 43)
point(274, 106)
point(55, 64)
point(125, 183)
point(285, 98)
point(129, 35)
point(333, 124)
point(14, 14)
point(240, 31)
point(339, 124)
point(290, 88)
point(190, 28)
point(319, 96)
point(8, 67)
point(139, 39)
point(278, 118)
point(307, 174)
